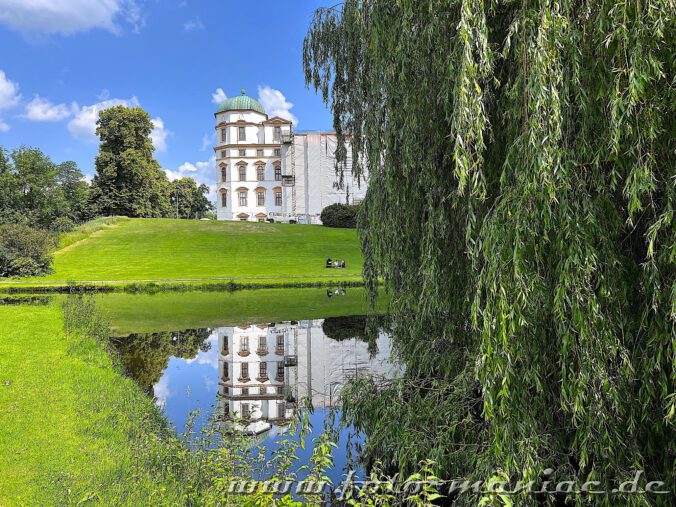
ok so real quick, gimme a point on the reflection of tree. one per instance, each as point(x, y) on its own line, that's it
point(361, 327)
point(145, 356)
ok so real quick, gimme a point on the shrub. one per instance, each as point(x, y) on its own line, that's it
point(340, 215)
point(25, 251)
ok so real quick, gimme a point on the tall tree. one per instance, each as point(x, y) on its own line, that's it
point(521, 198)
point(128, 179)
point(188, 200)
point(75, 189)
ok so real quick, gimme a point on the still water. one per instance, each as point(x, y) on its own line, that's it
point(260, 370)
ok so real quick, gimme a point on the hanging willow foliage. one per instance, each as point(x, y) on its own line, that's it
point(522, 187)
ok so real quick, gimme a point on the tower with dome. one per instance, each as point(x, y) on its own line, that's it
point(268, 172)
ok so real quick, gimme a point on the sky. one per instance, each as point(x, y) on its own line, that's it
point(62, 61)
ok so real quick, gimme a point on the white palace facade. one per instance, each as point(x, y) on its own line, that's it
point(267, 172)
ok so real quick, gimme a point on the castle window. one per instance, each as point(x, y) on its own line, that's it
point(245, 410)
point(224, 199)
point(242, 198)
point(242, 153)
point(259, 152)
point(242, 173)
point(260, 196)
point(278, 135)
point(264, 369)
point(224, 173)
point(278, 152)
point(241, 133)
point(224, 153)
point(244, 344)
point(278, 198)
point(278, 173)
point(280, 369)
point(224, 134)
point(260, 173)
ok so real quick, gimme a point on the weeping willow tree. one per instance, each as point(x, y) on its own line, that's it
point(522, 185)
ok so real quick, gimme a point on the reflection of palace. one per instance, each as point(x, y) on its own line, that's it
point(264, 370)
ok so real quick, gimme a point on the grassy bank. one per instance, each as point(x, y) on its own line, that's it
point(76, 431)
point(69, 419)
point(115, 252)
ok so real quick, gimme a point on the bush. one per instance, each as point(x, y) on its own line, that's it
point(340, 215)
point(25, 251)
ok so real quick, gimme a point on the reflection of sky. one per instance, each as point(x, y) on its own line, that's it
point(189, 384)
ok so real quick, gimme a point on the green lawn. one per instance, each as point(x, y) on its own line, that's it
point(166, 249)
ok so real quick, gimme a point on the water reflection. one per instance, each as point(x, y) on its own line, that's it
point(264, 370)
point(253, 371)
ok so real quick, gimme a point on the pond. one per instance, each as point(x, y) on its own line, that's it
point(253, 357)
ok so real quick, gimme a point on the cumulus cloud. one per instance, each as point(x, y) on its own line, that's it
point(193, 24)
point(9, 97)
point(83, 124)
point(9, 92)
point(218, 96)
point(201, 172)
point(71, 16)
point(159, 134)
point(41, 109)
point(275, 103)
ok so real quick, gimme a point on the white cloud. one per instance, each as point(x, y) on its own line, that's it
point(159, 134)
point(193, 24)
point(69, 16)
point(41, 109)
point(201, 172)
point(83, 124)
point(218, 96)
point(9, 96)
point(275, 103)
point(9, 92)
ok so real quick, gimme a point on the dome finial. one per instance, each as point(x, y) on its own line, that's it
point(243, 91)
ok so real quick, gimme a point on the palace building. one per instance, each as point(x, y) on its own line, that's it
point(269, 172)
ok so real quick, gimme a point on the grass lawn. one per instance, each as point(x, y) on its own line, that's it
point(68, 418)
point(170, 311)
point(166, 249)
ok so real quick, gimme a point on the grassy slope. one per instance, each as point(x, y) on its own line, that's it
point(145, 313)
point(142, 249)
point(69, 418)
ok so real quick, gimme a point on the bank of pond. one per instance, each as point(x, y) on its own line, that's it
point(169, 398)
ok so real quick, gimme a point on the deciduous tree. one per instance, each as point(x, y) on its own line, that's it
point(521, 210)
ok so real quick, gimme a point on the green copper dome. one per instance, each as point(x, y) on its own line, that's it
point(241, 102)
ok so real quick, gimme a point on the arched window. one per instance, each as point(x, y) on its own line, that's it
point(224, 172)
point(224, 198)
point(260, 173)
point(278, 173)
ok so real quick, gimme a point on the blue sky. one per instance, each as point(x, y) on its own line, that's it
point(63, 60)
